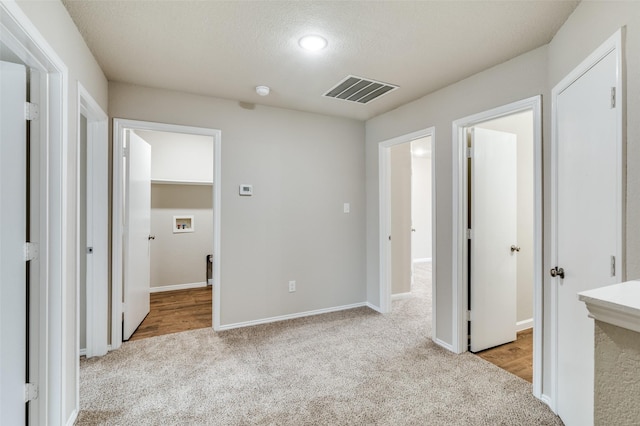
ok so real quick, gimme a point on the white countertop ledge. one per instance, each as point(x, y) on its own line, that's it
point(617, 304)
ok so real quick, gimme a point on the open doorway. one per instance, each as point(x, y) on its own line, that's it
point(498, 237)
point(411, 231)
point(407, 235)
point(166, 220)
point(181, 229)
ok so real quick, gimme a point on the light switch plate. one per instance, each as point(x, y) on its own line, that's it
point(246, 189)
point(347, 207)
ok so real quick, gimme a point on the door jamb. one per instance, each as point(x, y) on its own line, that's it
point(613, 43)
point(97, 178)
point(460, 255)
point(384, 185)
point(119, 126)
point(24, 39)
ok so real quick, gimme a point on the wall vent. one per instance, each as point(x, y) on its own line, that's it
point(359, 89)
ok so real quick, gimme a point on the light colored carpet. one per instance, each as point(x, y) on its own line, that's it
point(353, 367)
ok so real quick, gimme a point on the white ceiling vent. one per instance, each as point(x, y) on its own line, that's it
point(359, 89)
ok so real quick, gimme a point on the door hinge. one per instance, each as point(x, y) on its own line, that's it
point(31, 111)
point(468, 234)
point(613, 266)
point(30, 251)
point(469, 152)
point(30, 392)
point(125, 151)
point(468, 315)
point(613, 97)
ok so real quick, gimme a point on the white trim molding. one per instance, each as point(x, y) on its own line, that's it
point(384, 227)
point(293, 316)
point(524, 324)
point(444, 344)
point(97, 202)
point(460, 211)
point(617, 304)
point(120, 125)
point(174, 287)
point(422, 260)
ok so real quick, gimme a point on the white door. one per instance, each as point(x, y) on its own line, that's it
point(13, 217)
point(493, 271)
point(138, 228)
point(401, 264)
point(587, 222)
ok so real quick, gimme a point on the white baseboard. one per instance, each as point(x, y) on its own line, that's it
point(445, 345)
point(290, 316)
point(374, 307)
point(83, 351)
point(73, 417)
point(524, 324)
point(547, 400)
point(422, 260)
point(209, 281)
point(399, 296)
point(176, 287)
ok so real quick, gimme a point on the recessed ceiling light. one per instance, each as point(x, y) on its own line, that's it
point(312, 42)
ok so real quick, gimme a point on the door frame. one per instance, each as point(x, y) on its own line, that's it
point(460, 253)
point(97, 181)
point(119, 126)
point(384, 185)
point(612, 44)
point(49, 207)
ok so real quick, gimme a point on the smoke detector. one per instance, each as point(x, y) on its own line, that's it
point(262, 90)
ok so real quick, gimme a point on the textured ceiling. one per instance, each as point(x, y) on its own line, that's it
point(225, 49)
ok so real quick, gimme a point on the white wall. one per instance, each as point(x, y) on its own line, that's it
point(522, 126)
point(51, 19)
point(179, 156)
point(517, 79)
point(303, 167)
point(421, 199)
point(180, 258)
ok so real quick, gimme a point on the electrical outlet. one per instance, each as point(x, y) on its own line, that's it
point(292, 286)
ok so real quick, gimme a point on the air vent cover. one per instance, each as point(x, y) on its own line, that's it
point(359, 89)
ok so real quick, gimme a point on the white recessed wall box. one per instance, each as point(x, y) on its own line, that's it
point(183, 224)
point(246, 190)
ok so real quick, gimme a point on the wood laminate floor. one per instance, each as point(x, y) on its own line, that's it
point(175, 311)
point(515, 357)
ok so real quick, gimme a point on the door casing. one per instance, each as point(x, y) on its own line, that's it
point(460, 253)
point(120, 125)
point(97, 178)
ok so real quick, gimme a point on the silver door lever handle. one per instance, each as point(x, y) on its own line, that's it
point(515, 248)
